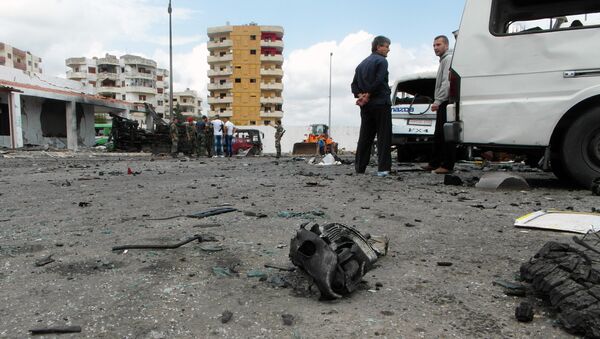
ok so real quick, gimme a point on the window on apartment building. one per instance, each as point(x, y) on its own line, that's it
point(122, 69)
point(238, 80)
point(252, 81)
point(222, 68)
point(159, 90)
point(253, 51)
point(93, 83)
point(238, 67)
point(252, 122)
point(253, 37)
point(29, 63)
point(222, 95)
point(18, 60)
point(9, 55)
point(222, 110)
point(142, 97)
point(124, 97)
point(222, 39)
point(222, 82)
point(267, 122)
point(159, 103)
point(184, 100)
point(159, 78)
point(35, 64)
point(222, 53)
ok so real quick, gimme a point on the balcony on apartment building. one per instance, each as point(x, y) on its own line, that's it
point(224, 114)
point(271, 100)
point(220, 44)
point(270, 57)
point(272, 43)
point(271, 114)
point(110, 91)
point(75, 61)
point(141, 89)
point(219, 30)
point(107, 76)
point(2, 60)
point(271, 71)
point(277, 86)
point(76, 75)
point(220, 58)
point(109, 60)
point(139, 75)
point(136, 60)
point(219, 100)
point(227, 85)
point(214, 73)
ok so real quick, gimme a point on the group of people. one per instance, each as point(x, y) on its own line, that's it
point(212, 138)
point(370, 87)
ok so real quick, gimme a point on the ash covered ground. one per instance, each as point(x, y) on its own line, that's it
point(76, 207)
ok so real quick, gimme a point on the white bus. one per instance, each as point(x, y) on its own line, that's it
point(525, 76)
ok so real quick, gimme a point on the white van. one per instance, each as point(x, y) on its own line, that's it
point(413, 122)
point(526, 76)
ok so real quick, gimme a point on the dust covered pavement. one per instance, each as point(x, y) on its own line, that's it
point(448, 244)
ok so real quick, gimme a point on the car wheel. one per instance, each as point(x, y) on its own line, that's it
point(580, 151)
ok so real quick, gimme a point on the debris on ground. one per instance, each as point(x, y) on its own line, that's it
point(452, 180)
point(200, 215)
point(44, 261)
point(305, 215)
point(56, 330)
point(226, 316)
point(288, 319)
point(336, 256)
point(524, 312)
point(281, 268)
point(160, 247)
point(502, 181)
point(567, 275)
point(511, 288)
point(222, 271)
point(563, 221)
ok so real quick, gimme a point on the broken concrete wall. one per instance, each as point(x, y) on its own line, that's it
point(45, 122)
point(4, 121)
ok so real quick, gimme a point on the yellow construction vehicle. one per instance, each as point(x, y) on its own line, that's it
point(317, 142)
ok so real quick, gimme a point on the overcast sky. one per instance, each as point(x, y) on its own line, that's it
point(58, 29)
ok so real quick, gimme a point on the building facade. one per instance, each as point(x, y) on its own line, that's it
point(19, 59)
point(131, 78)
point(245, 73)
point(189, 103)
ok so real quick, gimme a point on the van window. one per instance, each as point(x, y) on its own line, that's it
point(536, 16)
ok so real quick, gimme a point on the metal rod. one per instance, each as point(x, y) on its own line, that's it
point(170, 65)
point(329, 123)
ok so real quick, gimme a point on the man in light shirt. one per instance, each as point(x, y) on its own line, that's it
point(229, 130)
point(218, 134)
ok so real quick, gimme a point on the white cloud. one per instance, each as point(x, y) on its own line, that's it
point(306, 78)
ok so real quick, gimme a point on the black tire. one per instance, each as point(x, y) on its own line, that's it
point(568, 277)
point(558, 168)
point(580, 150)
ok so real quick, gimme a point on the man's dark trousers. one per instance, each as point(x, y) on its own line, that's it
point(444, 153)
point(374, 120)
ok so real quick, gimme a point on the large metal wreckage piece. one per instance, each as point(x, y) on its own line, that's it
point(335, 256)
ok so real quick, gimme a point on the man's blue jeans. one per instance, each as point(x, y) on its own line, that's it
point(218, 145)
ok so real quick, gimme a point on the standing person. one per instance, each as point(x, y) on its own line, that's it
point(218, 139)
point(174, 133)
point(370, 87)
point(201, 136)
point(279, 131)
point(444, 153)
point(210, 137)
point(191, 134)
point(229, 130)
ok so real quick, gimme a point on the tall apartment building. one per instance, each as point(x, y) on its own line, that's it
point(245, 72)
point(129, 77)
point(19, 59)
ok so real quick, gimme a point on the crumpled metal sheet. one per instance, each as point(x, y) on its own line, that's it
point(336, 256)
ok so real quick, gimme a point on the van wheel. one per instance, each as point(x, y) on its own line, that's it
point(581, 148)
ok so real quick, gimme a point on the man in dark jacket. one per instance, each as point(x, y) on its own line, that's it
point(370, 87)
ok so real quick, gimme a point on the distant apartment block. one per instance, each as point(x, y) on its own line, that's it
point(131, 78)
point(245, 73)
point(19, 59)
point(188, 101)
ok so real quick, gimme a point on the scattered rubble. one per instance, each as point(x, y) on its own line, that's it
point(502, 181)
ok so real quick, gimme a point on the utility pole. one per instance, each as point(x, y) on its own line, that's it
point(170, 65)
point(329, 124)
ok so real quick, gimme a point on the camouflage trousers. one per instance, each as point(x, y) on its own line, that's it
point(174, 147)
point(278, 147)
point(201, 145)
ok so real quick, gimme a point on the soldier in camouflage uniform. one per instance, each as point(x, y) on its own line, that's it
point(190, 131)
point(279, 131)
point(210, 135)
point(174, 133)
point(201, 137)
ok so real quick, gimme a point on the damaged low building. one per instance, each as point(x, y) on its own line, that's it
point(40, 110)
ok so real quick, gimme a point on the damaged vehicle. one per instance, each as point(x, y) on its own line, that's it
point(335, 256)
